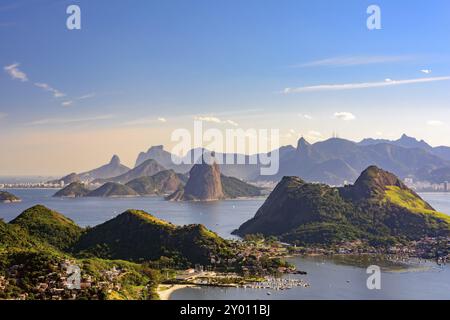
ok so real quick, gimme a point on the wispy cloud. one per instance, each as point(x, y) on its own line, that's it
point(15, 73)
point(71, 102)
point(67, 103)
point(56, 93)
point(2, 115)
point(352, 61)
point(62, 121)
point(435, 123)
point(346, 116)
point(216, 120)
point(145, 121)
point(426, 71)
point(86, 96)
point(363, 85)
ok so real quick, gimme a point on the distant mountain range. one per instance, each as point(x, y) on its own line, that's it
point(203, 183)
point(162, 183)
point(334, 161)
point(409, 142)
point(112, 169)
point(148, 168)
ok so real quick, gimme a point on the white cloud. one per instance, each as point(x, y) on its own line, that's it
point(145, 121)
point(61, 121)
point(15, 73)
point(71, 102)
point(363, 85)
point(56, 93)
point(67, 103)
point(435, 123)
point(2, 115)
point(353, 61)
point(86, 96)
point(346, 116)
point(209, 119)
point(305, 116)
point(216, 120)
point(426, 71)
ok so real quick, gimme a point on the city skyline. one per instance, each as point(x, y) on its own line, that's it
point(134, 74)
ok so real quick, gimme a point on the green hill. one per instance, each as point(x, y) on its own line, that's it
point(113, 189)
point(73, 190)
point(377, 208)
point(136, 235)
point(48, 226)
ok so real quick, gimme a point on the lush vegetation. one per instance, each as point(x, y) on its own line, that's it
point(49, 226)
point(37, 245)
point(137, 236)
point(378, 209)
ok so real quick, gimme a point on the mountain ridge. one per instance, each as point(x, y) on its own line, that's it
point(378, 208)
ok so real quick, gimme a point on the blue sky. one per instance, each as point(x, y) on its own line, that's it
point(139, 69)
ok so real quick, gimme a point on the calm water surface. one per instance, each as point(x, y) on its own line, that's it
point(336, 278)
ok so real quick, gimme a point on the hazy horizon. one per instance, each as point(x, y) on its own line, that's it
point(135, 73)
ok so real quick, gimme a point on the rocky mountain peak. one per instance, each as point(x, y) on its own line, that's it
point(115, 160)
point(302, 144)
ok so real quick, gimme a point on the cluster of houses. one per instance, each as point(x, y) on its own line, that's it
point(66, 283)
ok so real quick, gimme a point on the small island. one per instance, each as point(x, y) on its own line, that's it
point(6, 197)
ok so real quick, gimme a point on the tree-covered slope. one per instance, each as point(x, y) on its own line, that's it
point(48, 226)
point(377, 208)
point(136, 235)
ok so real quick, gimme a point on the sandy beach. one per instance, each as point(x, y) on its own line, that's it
point(165, 290)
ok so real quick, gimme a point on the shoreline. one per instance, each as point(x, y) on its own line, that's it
point(164, 291)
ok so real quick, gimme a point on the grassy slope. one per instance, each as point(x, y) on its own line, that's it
point(408, 200)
